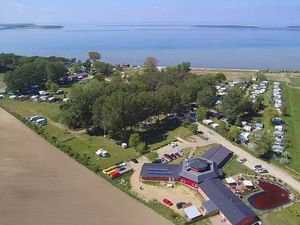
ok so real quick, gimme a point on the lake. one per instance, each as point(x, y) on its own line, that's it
point(214, 47)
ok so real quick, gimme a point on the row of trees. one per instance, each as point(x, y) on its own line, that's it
point(119, 105)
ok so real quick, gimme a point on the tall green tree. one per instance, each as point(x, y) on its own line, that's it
point(56, 71)
point(235, 104)
point(205, 97)
point(94, 56)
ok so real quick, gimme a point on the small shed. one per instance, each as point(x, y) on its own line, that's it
point(230, 181)
point(192, 213)
point(124, 145)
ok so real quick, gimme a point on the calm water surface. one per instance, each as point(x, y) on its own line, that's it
point(204, 47)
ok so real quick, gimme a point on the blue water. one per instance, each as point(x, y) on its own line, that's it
point(203, 47)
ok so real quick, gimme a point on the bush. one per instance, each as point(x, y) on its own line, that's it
point(194, 128)
point(134, 140)
point(141, 148)
point(152, 156)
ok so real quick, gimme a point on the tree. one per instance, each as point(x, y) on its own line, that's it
point(54, 87)
point(76, 67)
point(141, 148)
point(201, 113)
point(102, 68)
point(151, 64)
point(187, 120)
point(134, 140)
point(223, 129)
point(264, 144)
point(184, 67)
point(220, 77)
point(261, 76)
point(152, 155)
point(194, 128)
point(169, 99)
point(205, 97)
point(94, 56)
point(271, 112)
point(235, 104)
point(234, 131)
point(56, 71)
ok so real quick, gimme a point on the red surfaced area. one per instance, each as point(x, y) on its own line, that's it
point(272, 197)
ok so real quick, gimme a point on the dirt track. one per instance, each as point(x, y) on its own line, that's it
point(39, 185)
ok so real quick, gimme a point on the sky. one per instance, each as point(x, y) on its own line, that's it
point(241, 12)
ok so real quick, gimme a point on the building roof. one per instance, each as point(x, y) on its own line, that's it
point(209, 206)
point(198, 163)
point(160, 170)
point(192, 212)
point(231, 206)
point(219, 154)
point(198, 177)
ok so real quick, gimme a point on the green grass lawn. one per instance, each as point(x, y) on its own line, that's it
point(163, 134)
point(2, 84)
point(233, 167)
point(295, 81)
point(291, 100)
point(265, 117)
point(287, 216)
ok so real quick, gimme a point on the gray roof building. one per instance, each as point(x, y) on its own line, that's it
point(219, 154)
point(198, 169)
point(231, 206)
point(160, 170)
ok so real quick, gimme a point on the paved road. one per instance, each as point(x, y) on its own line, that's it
point(39, 185)
point(251, 160)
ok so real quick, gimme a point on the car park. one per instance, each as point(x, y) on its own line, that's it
point(167, 202)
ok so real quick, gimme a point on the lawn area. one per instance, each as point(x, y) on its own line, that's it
point(292, 120)
point(287, 216)
point(267, 102)
point(79, 142)
point(163, 134)
point(2, 84)
point(295, 81)
point(233, 167)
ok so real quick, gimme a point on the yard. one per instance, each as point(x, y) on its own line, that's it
point(233, 167)
point(287, 216)
point(81, 143)
point(291, 99)
point(295, 81)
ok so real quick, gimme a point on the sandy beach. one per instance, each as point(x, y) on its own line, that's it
point(42, 186)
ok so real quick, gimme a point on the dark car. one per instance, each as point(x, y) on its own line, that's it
point(134, 161)
point(168, 157)
point(179, 205)
point(178, 155)
point(257, 166)
point(157, 161)
point(173, 156)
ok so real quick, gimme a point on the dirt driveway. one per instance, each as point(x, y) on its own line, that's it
point(39, 185)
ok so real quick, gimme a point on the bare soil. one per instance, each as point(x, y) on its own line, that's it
point(39, 185)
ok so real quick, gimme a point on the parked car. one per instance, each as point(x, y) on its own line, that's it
point(179, 205)
point(242, 160)
point(1, 96)
point(174, 144)
point(134, 161)
point(168, 157)
point(163, 160)
point(167, 202)
point(41, 122)
point(177, 154)
point(34, 118)
point(173, 156)
point(257, 166)
point(157, 161)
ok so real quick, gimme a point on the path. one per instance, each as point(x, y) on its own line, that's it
point(251, 160)
point(41, 185)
